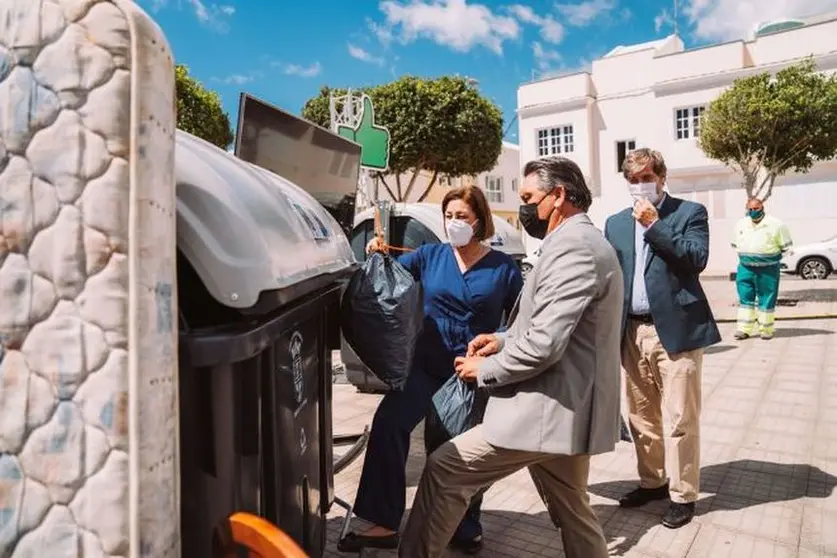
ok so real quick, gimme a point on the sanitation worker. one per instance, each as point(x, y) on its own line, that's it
point(760, 241)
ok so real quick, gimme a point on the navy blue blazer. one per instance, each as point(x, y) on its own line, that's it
point(678, 249)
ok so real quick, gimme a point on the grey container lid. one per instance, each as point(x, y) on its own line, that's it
point(247, 231)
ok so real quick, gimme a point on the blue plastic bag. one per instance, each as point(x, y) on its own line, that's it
point(457, 406)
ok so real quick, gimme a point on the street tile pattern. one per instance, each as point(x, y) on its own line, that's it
point(769, 456)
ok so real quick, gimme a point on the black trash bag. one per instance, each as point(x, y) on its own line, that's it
point(381, 318)
point(624, 432)
point(458, 406)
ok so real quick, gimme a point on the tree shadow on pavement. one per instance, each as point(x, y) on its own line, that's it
point(810, 295)
point(799, 332)
point(733, 486)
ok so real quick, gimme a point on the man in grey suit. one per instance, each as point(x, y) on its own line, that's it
point(553, 377)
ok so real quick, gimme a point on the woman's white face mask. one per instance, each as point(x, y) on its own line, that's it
point(459, 232)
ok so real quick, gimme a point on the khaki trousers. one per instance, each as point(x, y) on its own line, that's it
point(659, 384)
point(467, 464)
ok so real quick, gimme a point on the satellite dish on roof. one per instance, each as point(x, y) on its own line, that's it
point(777, 25)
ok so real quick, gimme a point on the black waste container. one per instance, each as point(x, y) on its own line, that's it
point(255, 408)
point(260, 270)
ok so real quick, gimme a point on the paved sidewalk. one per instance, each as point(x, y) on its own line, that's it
point(769, 433)
point(797, 298)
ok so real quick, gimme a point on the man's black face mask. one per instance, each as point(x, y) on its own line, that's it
point(531, 221)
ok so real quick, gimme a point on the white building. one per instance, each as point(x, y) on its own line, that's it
point(651, 95)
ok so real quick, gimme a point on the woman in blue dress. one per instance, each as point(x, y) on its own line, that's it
point(467, 288)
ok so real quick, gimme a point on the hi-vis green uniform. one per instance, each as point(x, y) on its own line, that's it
point(760, 247)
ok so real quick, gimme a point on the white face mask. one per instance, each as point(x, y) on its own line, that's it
point(460, 233)
point(644, 191)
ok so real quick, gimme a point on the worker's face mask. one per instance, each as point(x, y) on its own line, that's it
point(755, 214)
point(459, 232)
point(644, 191)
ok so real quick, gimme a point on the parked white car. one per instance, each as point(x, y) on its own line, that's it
point(529, 262)
point(812, 261)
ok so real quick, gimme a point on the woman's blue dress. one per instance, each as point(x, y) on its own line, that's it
point(457, 307)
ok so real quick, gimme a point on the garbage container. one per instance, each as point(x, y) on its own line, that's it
point(260, 268)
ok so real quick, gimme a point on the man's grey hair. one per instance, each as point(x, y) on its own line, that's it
point(557, 171)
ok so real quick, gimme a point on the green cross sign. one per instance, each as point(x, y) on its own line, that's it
point(373, 139)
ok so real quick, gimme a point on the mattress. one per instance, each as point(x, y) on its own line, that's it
point(88, 373)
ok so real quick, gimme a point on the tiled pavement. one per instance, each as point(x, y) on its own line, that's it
point(769, 452)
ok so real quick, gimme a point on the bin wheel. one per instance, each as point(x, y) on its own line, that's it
point(260, 537)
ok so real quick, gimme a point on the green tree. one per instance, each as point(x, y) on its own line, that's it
point(765, 126)
point(199, 110)
point(443, 126)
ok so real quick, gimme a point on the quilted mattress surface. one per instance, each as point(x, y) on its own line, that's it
point(88, 425)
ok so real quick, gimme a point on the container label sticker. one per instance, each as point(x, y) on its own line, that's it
point(295, 349)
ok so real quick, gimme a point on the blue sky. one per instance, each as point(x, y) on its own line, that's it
point(283, 51)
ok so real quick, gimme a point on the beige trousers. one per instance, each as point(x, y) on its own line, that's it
point(659, 384)
point(467, 464)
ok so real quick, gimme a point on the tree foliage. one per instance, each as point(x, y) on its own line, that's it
point(764, 126)
point(199, 110)
point(444, 126)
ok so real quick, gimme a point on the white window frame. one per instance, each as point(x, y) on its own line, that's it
point(494, 188)
point(555, 140)
point(630, 145)
point(687, 122)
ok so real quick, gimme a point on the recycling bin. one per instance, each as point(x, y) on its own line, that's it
point(261, 265)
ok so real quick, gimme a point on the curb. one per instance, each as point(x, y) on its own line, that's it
point(785, 318)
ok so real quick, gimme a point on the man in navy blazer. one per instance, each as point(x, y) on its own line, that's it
point(663, 246)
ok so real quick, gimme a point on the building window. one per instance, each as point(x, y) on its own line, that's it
point(444, 180)
point(514, 185)
point(687, 122)
point(494, 189)
point(622, 150)
point(555, 141)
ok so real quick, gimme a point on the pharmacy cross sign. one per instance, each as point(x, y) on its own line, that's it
point(373, 139)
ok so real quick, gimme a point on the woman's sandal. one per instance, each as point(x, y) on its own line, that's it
point(354, 542)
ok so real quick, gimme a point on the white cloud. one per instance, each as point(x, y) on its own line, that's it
point(724, 20)
point(381, 32)
point(210, 14)
point(456, 24)
point(364, 55)
point(585, 13)
point(303, 71)
point(662, 19)
point(551, 30)
point(237, 79)
point(545, 59)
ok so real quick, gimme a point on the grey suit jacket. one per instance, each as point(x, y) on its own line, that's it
point(555, 383)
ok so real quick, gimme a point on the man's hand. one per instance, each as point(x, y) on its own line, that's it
point(468, 367)
point(483, 345)
point(645, 213)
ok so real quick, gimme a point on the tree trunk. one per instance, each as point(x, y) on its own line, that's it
point(429, 186)
point(384, 182)
point(411, 185)
point(398, 186)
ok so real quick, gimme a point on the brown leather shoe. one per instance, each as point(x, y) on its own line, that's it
point(678, 515)
point(642, 496)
